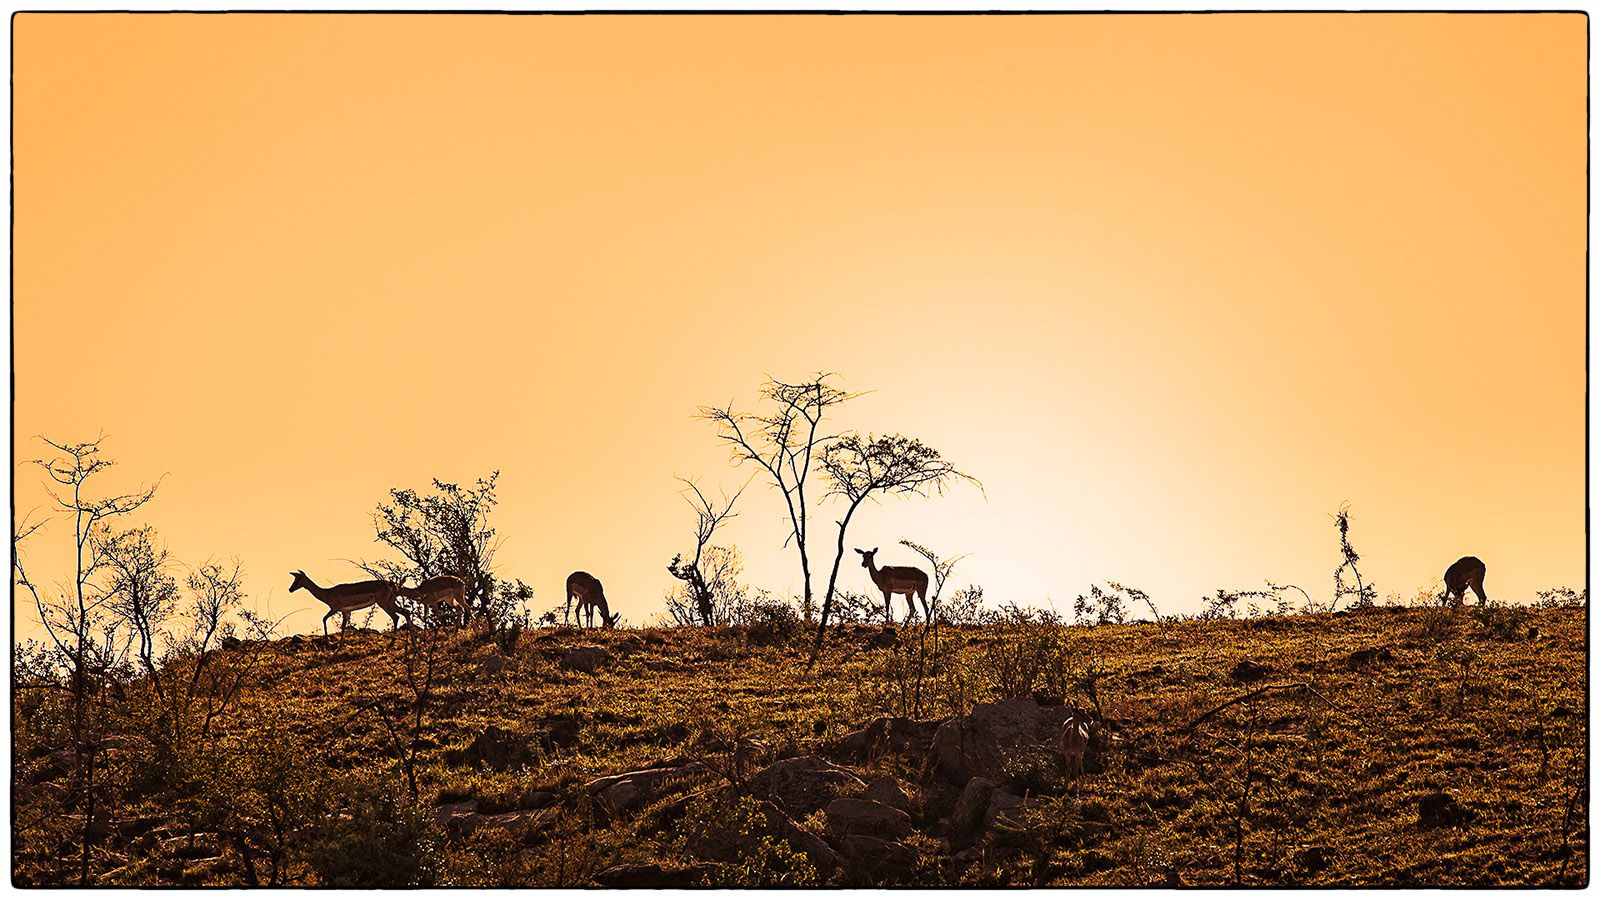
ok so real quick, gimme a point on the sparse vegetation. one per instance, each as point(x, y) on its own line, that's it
point(166, 736)
point(1314, 779)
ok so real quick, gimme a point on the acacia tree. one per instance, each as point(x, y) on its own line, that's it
point(84, 631)
point(784, 443)
point(860, 467)
point(708, 517)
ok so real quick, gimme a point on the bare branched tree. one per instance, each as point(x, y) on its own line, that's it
point(216, 596)
point(141, 590)
point(941, 573)
point(85, 632)
point(720, 568)
point(405, 722)
point(708, 516)
point(860, 467)
point(784, 443)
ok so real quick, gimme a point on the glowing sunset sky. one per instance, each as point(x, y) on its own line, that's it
point(1173, 287)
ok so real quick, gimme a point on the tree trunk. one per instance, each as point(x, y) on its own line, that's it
point(833, 579)
point(246, 858)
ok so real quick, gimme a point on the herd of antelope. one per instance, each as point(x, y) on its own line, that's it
point(439, 593)
point(447, 592)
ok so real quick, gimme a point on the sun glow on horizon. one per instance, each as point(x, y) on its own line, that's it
point(1172, 287)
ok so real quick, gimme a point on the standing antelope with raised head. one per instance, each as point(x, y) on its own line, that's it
point(591, 595)
point(891, 580)
point(1465, 572)
point(438, 592)
point(348, 598)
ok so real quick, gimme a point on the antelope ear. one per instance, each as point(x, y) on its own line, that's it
point(874, 550)
point(861, 551)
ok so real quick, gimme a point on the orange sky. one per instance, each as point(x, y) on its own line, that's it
point(1173, 287)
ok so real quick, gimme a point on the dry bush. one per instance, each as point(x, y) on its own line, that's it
point(1503, 622)
point(1028, 655)
point(734, 828)
point(367, 836)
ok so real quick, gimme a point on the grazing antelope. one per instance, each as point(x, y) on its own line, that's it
point(1074, 743)
point(1464, 573)
point(908, 580)
point(438, 592)
point(591, 595)
point(348, 598)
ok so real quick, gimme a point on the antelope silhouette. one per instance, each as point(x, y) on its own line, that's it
point(1465, 572)
point(891, 580)
point(591, 595)
point(348, 598)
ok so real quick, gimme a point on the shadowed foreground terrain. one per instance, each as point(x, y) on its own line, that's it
point(1381, 747)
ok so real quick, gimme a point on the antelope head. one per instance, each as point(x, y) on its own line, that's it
point(867, 559)
point(300, 581)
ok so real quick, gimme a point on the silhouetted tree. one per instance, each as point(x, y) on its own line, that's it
point(446, 531)
point(1363, 594)
point(719, 568)
point(84, 630)
point(140, 589)
point(859, 467)
point(784, 443)
point(707, 518)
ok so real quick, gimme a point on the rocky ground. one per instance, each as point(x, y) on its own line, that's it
point(1379, 748)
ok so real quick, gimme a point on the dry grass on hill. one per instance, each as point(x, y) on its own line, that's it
point(1329, 771)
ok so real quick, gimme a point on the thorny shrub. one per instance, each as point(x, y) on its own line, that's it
point(1562, 598)
point(367, 836)
point(739, 830)
point(1028, 654)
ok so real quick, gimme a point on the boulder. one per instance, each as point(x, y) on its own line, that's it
point(1248, 670)
point(654, 875)
point(1008, 810)
point(628, 792)
point(887, 735)
point(983, 741)
point(961, 752)
point(971, 807)
point(871, 861)
point(447, 813)
point(849, 815)
point(463, 818)
point(985, 805)
point(887, 790)
point(804, 784)
point(587, 658)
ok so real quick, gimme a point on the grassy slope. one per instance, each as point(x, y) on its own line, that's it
point(1334, 790)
